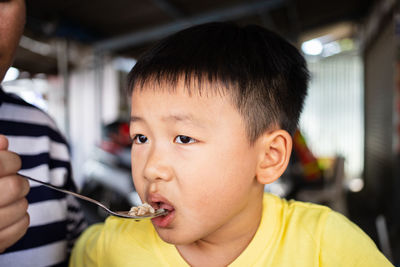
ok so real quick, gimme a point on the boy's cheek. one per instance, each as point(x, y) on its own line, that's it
point(136, 174)
point(139, 186)
point(136, 177)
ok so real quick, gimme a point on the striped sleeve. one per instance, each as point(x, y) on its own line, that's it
point(55, 219)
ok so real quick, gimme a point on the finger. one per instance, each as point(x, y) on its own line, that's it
point(13, 233)
point(3, 142)
point(12, 188)
point(10, 163)
point(13, 213)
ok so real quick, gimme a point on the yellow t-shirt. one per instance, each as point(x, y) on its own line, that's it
point(291, 234)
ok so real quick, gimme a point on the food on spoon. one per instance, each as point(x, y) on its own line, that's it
point(142, 210)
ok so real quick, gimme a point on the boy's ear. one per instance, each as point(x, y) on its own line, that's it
point(275, 149)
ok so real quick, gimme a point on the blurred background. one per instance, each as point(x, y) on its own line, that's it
point(75, 55)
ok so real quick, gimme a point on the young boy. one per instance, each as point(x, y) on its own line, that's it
point(213, 107)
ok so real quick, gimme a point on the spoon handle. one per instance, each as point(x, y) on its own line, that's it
point(66, 191)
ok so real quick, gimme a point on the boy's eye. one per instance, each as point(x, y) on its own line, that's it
point(183, 139)
point(140, 139)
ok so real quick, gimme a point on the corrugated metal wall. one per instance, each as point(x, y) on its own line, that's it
point(332, 120)
point(379, 60)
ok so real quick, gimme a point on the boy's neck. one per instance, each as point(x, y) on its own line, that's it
point(224, 247)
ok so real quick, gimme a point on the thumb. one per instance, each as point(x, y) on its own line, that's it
point(3, 142)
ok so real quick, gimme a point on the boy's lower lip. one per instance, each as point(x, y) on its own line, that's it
point(164, 221)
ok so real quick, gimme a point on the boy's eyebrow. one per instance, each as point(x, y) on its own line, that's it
point(136, 119)
point(179, 118)
point(171, 118)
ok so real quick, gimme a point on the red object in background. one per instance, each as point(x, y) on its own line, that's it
point(117, 137)
point(123, 135)
point(311, 169)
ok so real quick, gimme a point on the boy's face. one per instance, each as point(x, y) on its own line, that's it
point(191, 156)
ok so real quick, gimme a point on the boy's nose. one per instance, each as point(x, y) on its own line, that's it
point(157, 167)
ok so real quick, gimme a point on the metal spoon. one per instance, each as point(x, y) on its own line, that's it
point(122, 214)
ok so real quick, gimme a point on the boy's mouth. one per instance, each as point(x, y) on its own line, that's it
point(159, 202)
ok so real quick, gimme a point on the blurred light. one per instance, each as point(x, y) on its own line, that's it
point(124, 64)
point(312, 47)
point(11, 75)
point(356, 184)
point(41, 76)
point(278, 188)
point(347, 44)
point(331, 49)
point(35, 99)
point(36, 46)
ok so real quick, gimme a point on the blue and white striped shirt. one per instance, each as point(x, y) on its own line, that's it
point(55, 218)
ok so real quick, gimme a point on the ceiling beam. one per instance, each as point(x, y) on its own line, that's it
point(170, 9)
point(152, 34)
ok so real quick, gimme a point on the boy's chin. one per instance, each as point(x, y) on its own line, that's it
point(175, 237)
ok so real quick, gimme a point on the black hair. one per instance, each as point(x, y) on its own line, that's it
point(264, 74)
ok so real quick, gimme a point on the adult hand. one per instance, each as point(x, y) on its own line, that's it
point(14, 218)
